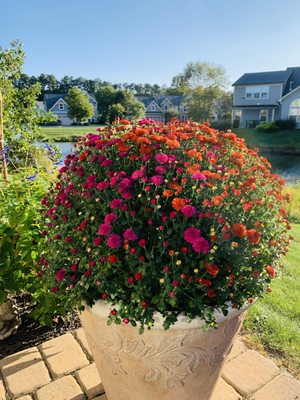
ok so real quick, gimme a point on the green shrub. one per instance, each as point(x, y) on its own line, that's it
point(285, 124)
point(222, 125)
point(267, 127)
point(20, 238)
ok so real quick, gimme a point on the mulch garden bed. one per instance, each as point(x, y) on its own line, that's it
point(30, 333)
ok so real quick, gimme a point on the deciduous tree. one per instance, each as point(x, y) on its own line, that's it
point(80, 109)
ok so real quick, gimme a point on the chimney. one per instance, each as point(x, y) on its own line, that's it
point(291, 86)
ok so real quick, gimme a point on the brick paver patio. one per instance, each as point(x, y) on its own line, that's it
point(63, 369)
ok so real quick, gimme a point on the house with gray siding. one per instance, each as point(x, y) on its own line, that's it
point(56, 103)
point(156, 106)
point(266, 96)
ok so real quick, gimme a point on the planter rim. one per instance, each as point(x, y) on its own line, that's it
point(102, 309)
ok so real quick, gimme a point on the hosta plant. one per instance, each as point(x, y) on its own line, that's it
point(176, 218)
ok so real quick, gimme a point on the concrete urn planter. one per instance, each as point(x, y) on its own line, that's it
point(183, 362)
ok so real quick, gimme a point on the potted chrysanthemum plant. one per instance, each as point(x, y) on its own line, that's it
point(162, 230)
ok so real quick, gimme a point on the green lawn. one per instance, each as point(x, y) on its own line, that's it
point(273, 323)
point(66, 133)
point(281, 139)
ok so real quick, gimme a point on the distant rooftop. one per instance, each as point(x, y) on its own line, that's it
point(264, 77)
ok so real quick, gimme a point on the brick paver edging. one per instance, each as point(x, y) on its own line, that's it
point(63, 369)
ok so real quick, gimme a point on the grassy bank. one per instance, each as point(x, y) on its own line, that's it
point(293, 207)
point(68, 133)
point(279, 140)
point(273, 323)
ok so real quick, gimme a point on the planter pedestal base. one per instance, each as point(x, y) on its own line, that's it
point(183, 362)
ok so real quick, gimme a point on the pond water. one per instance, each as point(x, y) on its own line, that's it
point(288, 166)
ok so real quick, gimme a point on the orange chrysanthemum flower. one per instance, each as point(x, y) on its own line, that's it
point(178, 203)
point(253, 236)
point(167, 193)
point(217, 200)
point(239, 230)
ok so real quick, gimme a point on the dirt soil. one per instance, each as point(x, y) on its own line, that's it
point(30, 333)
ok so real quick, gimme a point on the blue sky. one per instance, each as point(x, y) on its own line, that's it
point(150, 41)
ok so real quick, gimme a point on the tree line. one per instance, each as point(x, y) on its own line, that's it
point(50, 84)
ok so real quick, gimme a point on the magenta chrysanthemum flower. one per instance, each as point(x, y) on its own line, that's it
point(137, 174)
point(192, 234)
point(157, 180)
point(102, 185)
point(198, 176)
point(104, 229)
point(160, 169)
point(188, 211)
point(161, 158)
point(60, 275)
point(110, 218)
point(126, 194)
point(97, 241)
point(106, 163)
point(201, 245)
point(114, 241)
point(125, 183)
point(117, 203)
point(129, 234)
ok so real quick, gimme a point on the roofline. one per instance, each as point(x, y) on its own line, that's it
point(154, 101)
point(253, 83)
point(57, 102)
point(292, 91)
point(256, 106)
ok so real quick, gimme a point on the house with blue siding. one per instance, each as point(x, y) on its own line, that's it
point(56, 103)
point(156, 106)
point(266, 96)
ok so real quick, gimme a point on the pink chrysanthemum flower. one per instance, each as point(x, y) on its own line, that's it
point(188, 211)
point(102, 185)
point(114, 241)
point(201, 245)
point(157, 180)
point(137, 174)
point(192, 234)
point(198, 176)
point(129, 234)
point(162, 158)
point(104, 229)
point(117, 203)
point(110, 218)
point(60, 275)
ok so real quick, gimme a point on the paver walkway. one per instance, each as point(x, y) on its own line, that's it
point(63, 369)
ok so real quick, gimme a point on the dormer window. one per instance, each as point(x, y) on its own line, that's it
point(61, 106)
point(153, 107)
point(166, 107)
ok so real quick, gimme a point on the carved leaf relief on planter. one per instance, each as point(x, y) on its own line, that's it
point(172, 360)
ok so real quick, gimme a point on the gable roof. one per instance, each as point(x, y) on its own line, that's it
point(260, 78)
point(293, 81)
point(51, 98)
point(147, 100)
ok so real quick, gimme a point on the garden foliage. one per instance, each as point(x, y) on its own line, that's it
point(20, 238)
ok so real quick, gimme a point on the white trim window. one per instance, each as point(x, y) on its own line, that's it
point(153, 107)
point(263, 115)
point(294, 112)
point(257, 92)
point(61, 106)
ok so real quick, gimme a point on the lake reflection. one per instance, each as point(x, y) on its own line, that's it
point(282, 164)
